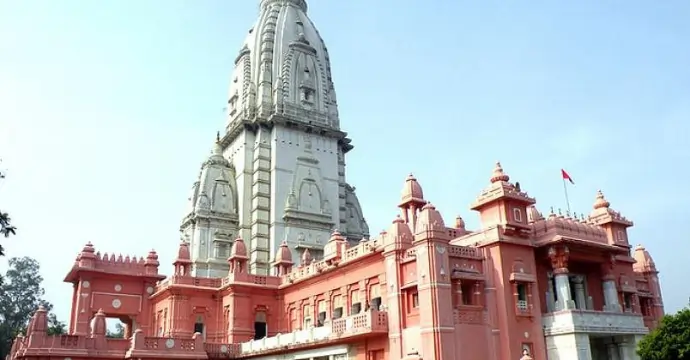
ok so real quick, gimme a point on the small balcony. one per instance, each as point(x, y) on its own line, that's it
point(368, 323)
point(593, 322)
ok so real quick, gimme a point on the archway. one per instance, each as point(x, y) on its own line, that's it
point(260, 326)
point(116, 328)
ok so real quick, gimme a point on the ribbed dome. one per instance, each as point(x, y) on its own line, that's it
point(283, 67)
point(411, 192)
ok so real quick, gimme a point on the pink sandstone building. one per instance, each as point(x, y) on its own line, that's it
point(261, 273)
point(523, 286)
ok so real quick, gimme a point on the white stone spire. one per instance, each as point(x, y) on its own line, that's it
point(283, 68)
point(283, 144)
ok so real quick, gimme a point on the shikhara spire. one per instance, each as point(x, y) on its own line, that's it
point(278, 170)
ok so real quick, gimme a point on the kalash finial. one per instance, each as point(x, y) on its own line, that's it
point(217, 136)
point(498, 174)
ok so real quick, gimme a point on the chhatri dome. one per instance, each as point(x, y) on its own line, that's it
point(276, 175)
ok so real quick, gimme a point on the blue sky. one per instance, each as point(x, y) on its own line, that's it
point(108, 107)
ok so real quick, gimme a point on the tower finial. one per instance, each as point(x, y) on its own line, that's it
point(217, 136)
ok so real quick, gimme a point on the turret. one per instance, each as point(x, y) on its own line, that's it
point(615, 225)
point(504, 204)
point(283, 260)
point(411, 201)
point(151, 264)
point(238, 257)
point(335, 248)
point(183, 262)
point(399, 237)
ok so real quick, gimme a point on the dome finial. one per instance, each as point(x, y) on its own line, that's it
point(498, 174)
point(600, 201)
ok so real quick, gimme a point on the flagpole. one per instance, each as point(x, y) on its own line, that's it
point(565, 191)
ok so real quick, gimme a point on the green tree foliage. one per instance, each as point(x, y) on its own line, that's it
point(6, 228)
point(21, 294)
point(119, 332)
point(670, 341)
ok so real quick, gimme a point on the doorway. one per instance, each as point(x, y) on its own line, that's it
point(260, 326)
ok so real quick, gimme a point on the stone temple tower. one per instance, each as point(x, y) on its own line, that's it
point(278, 172)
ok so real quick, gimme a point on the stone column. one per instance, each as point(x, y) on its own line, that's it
point(559, 262)
point(550, 298)
point(609, 287)
point(580, 298)
point(613, 351)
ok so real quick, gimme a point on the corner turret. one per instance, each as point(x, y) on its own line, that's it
point(411, 201)
point(615, 225)
point(504, 204)
point(283, 260)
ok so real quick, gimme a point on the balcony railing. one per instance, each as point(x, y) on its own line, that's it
point(39, 344)
point(366, 323)
point(593, 322)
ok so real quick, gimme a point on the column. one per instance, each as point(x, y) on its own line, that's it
point(580, 298)
point(613, 351)
point(550, 298)
point(559, 261)
point(610, 295)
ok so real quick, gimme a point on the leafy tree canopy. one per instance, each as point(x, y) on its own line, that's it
point(119, 332)
point(6, 228)
point(670, 341)
point(21, 294)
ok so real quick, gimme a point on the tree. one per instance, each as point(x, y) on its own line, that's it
point(20, 295)
point(6, 228)
point(119, 332)
point(670, 341)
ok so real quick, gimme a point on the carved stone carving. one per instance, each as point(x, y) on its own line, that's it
point(559, 259)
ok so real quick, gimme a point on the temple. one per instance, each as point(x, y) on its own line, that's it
point(261, 273)
point(528, 286)
point(277, 173)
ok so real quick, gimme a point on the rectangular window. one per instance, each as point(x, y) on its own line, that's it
point(375, 294)
point(628, 302)
point(467, 293)
point(517, 215)
point(415, 300)
point(356, 303)
point(307, 313)
point(337, 307)
point(522, 304)
point(322, 313)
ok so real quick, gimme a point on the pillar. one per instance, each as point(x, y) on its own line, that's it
point(610, 295)
point(580, 298)
point(613, 351)
point(559, 261)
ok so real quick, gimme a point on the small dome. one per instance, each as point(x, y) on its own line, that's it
point(88, 248)
point(600, 201)
point(499, 175)
point(306, 257)
point(643, 261)
point(411, 192)
point(183, 251)
point(153, 256)
point(459, 223)
point(430, 219)
point(399, 232)
point(283, 255)
point(239, 250)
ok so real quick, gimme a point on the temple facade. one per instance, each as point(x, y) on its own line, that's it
point(261, 274)
point(522, 286)
point(277, 172)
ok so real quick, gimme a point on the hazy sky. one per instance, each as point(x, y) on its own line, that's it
point(108, 107)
